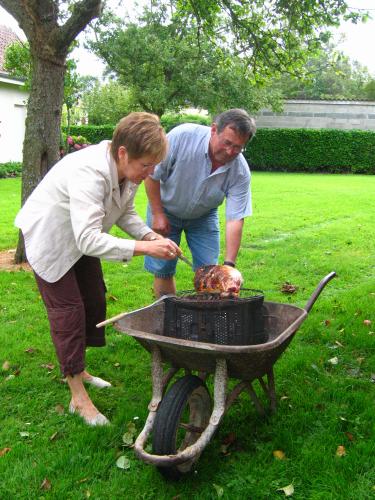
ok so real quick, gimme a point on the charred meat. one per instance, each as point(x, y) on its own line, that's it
point(223, 280)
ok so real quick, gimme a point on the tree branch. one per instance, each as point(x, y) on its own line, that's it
point(83, 12)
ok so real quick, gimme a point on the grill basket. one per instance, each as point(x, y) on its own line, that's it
point(206, 318)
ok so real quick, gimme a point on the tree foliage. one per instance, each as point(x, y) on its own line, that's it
point(108, 103)
point(329, 75)
point(18, 63)
point(50, 29)
point(214, 55)
point(169, 66)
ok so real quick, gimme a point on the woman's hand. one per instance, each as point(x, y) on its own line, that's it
point(161, 248)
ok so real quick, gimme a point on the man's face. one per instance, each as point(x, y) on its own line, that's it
point(226, 145)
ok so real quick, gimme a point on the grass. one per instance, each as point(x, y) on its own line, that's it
point(303, 227)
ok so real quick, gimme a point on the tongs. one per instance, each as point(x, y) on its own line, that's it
point(184, 259)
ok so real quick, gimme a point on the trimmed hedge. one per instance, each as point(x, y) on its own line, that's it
point(97, 133)
point(10, 169)
point(282, 149)
point(312, 150)
point(93, 133)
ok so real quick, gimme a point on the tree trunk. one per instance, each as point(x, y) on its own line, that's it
point(42, 134)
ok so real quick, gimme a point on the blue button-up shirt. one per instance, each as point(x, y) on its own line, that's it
point(187, 186)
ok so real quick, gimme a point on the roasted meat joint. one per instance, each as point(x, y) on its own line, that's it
point(223, 280)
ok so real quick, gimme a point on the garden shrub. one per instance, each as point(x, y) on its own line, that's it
point(312, 150)
point(170, 121)
point(92, 133)
point(282, 149)
point(10, 169)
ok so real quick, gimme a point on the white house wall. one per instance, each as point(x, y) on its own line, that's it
point(321, 114)
point(12, 121)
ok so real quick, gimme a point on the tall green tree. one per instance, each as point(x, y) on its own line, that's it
point(107, 103)
point(50, 30)
point(329, 74)
point(169, 66)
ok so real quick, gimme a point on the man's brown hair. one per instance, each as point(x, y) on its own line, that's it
point(142, 135)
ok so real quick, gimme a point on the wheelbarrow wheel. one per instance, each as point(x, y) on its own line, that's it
point(182, 416)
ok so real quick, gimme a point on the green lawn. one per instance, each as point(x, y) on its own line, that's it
point(303, 227)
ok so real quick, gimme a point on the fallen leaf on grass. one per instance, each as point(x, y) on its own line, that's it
point(229, 438)
point(219, 490)
point(350, 436)
point(288, 490)
point(128, 439)
point(4, 451)
point(54, 436)
point(338, 343)
point(87, 494)
point(46, 484)
point(288, 287)
point(9, 377)
point(279, 454)
point(340, 452)
point(327, 322)
point(6, 366)
point(372, 378)
point(123, 462)
point(112, 297)
point(334, 361)
point(24, 434)
point(30, 350)
point(367, 322)
point(49, 366)
point(59, 409)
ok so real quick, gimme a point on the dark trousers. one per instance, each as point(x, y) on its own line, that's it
point(75, 304)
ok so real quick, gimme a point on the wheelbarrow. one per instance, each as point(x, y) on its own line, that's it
point(182, 420)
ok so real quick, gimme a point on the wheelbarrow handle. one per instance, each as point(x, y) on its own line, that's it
point(122, 315)
point(318, 290)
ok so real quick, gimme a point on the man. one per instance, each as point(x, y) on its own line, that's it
point(204, 165)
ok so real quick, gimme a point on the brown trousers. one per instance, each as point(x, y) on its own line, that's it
point(75, 304)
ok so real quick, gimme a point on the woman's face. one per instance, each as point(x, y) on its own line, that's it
point(134, 169)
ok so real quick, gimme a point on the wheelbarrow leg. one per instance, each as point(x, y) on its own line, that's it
point(258, 405)
point(269, 389)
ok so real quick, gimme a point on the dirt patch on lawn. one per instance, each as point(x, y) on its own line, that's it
point(7, 261)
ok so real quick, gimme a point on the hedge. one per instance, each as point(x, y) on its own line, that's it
point(95, 134)
point(312, 150)
point(281, 149)
point(10, 169)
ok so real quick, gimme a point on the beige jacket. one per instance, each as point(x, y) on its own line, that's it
point(73, 208)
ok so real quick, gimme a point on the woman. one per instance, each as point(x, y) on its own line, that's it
point(65, 224)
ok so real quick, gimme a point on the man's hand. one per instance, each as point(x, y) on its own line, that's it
point(160, 224)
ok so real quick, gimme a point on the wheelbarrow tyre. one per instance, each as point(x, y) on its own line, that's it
point(189, 391)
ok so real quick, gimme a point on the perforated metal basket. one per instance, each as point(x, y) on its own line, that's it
point(209, 318)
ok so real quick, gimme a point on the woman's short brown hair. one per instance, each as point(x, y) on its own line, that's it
point(142, 135)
